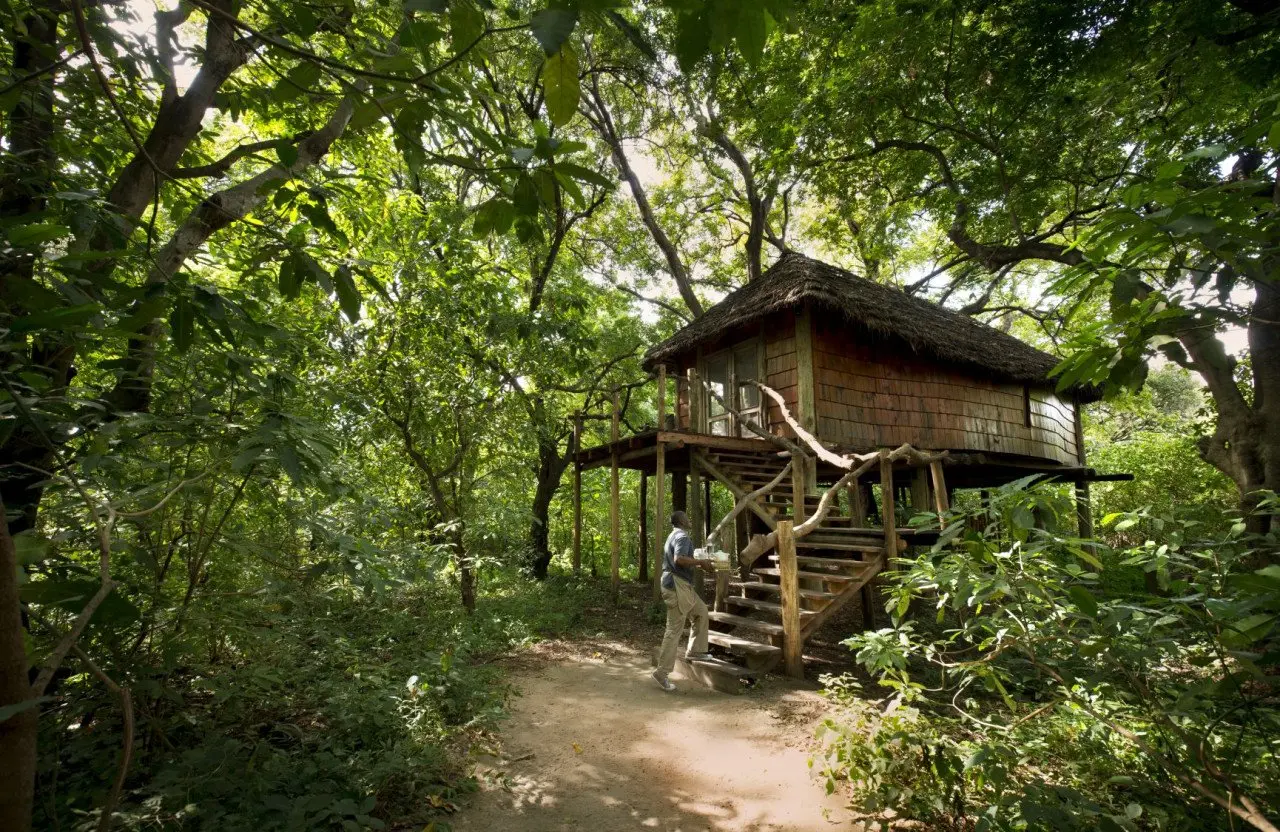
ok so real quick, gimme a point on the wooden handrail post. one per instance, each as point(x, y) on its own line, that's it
point(615, 536)
point(792, 639)
point(577, 494)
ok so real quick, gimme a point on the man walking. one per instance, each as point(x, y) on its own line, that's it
point(682, 602)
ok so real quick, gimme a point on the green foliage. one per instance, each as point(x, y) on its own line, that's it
point(1024, 693)
point(317, 707)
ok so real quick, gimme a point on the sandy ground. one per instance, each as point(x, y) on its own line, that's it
point(594, 744)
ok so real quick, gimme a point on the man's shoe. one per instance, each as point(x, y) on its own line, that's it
point(699, 657)
point(663, 682)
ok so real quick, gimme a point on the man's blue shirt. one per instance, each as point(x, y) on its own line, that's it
point(678, 545)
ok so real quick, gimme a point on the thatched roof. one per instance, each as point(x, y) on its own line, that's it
point(925, 327)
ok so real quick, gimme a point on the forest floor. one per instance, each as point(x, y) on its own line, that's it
point(592, 743)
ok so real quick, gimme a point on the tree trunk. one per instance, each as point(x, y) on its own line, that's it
point(18, 732)
point(25, 183)
point(466, 572)
point(1264, 349)
point(551, 467)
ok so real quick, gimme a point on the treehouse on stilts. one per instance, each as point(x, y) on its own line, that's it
point(830, 407)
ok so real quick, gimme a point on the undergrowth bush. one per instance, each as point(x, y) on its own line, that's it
point(1026, 692)
point(350, 712)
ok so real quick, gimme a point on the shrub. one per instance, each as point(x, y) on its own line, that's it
point(1034, 697)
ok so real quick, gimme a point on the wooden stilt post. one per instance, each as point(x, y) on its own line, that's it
point(643, 554)
point(577, 494)
point(868, 605)
point(1084, 508)
point(741, 537)
point(615, 531)
point(858, 505)
point(920, 502)
point(660, 487)
point(941, 500)
point(887, 509)
point(792, 645)
point(706, 504)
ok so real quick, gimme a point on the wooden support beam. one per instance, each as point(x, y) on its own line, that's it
point(920, 502)
point(868, 605)
point(800, 465)
point(693, 496)
point(858, 504)
point(643, 552)
point(792, 639)
point(941, 500)
point(722, 590)
point(806, 401)
point(615, 531)
point(888, 510)
point(706, 504)
point(1084, 507)
point(577, 495)
point(660, 487)
point(806, 390)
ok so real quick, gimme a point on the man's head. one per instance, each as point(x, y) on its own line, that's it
point(680, 520)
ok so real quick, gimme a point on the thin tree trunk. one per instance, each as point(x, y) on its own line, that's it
point(466, 571)
point(18, 732)
point(551, 467)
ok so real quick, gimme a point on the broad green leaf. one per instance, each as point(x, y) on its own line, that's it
point(36, 233)
point(693, 39)
point(587, 175)
point(290, 278)
point(9, 711)
point(58, 319)
point(182, 324)
point(1084, 600)
point(552, 27)
point(31, 547)
point(753, 29)
point(289, 461)
point(466, 24)
point(525, 196)
point(348, 293)
point(560, 81)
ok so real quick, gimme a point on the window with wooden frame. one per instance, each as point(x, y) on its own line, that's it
point(730, 373)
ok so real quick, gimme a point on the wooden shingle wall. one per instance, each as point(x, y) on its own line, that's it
point(780, 367)
point(870, 393)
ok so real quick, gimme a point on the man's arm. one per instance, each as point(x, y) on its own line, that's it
point(684, 554)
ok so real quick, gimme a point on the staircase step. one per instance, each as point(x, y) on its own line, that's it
point(764, 606)
point(767, 456)
point(725, 677)
point(747, 623)
point(814, 594)
point(810, 560)
point(742, 646)
point(809, 543)
point(832, 577)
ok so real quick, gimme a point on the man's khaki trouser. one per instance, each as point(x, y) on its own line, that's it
point(682, 603)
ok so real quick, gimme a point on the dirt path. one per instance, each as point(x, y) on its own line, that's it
point(593, 744)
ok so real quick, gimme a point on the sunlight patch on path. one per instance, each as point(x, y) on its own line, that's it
point(612, 751)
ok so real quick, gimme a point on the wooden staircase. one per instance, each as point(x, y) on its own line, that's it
point(833, 564)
